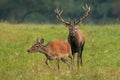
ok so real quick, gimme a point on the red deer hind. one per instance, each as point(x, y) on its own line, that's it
point(53, 50)
point(75, 37)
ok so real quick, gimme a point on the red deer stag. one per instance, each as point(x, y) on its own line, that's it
point(53, 50)
point(75, 37)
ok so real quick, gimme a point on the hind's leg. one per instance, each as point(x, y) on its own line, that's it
point(58, 64)
point(47, 62)
point(65, 61)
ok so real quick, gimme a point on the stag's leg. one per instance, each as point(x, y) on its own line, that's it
point(81, 58)
point(78, 59)
point(73, 54)
point(81, 54)
point(47, 62)
point(72, 60)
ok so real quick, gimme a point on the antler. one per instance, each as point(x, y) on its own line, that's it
point(58, 15)
point(87, 9)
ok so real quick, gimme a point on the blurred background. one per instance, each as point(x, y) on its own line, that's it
point(42, 11)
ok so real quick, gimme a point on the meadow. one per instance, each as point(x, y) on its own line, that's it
point(101, 59)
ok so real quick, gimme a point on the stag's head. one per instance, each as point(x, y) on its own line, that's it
point(72, 27)
point(37, 46)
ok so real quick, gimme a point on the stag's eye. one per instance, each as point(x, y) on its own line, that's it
point(70, 28)
point(37, 46)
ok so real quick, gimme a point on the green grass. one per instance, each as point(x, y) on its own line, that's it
point(101, 56)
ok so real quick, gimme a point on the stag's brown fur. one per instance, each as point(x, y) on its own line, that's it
point(53, 50)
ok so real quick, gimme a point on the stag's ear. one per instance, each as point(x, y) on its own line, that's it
point(66, 25)
point(42, 41)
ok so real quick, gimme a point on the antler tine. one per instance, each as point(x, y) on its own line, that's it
point(58, 15)
point(87, 10)
point(83, 7)
point(86, 6)
point(61, 12)
point(56, 10)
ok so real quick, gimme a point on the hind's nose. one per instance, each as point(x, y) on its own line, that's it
point(28, 50)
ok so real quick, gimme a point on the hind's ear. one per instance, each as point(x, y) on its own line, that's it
point(38, 40)
point(42, 41)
